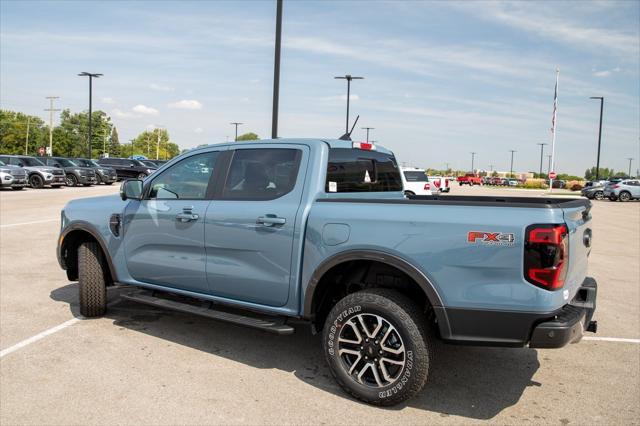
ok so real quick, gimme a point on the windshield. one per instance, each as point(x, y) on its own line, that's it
point(138, 163)
point(149, 163)
point(87, 163)
point(416, 176)
point(31, 162)
point(2, 163)
point(64, 162)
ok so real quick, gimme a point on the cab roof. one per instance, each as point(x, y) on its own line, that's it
point(333, 143)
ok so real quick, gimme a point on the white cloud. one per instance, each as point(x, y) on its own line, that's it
point(198, 130)
point(526, 16)
point(109, 101)
point(186, 104)
point(143, 109)
point(121, 114)
point(161, 88)
point(605, 73)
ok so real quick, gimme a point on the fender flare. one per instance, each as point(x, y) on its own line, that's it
point(389, 259)
point(91, 230)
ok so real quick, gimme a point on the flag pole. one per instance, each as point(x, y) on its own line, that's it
point(553, 130)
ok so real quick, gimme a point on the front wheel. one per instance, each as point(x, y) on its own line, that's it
point(624, 196)
point(36, 181)
point(599, 195)
point(72, 180)
point(91, 280)
point(375, 342)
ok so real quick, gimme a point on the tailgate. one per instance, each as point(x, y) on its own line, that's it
point(578, 221)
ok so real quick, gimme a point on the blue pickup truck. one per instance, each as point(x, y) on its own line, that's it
point(257, 233)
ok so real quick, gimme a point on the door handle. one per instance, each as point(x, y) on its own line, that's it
point(271, 220)
point(187, 215)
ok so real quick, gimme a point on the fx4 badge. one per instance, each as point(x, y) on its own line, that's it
point(491, 238)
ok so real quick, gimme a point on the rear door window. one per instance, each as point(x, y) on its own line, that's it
point(262, 174)
point(355, 170)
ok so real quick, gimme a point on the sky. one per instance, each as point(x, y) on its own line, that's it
point(441, 79)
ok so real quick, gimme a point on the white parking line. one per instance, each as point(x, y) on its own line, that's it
point(611, 339)
point(28, 223)
point(38, 336)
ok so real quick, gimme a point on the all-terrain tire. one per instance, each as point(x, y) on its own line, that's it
point(411, 325)
point(91, 280)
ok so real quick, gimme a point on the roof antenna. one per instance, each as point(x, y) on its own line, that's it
point(347, 136)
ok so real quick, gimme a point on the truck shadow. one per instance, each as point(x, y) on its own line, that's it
point(473, 382)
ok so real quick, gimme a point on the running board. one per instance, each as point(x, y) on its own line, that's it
point(271, 324)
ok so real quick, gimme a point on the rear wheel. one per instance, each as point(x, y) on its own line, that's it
point(98, 179)
point(624, 196)
point(375, 342)
point(599, 195)
point(407, 193)
point(36, 181)
point(91, 280)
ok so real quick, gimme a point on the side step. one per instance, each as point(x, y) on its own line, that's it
point(271, 324)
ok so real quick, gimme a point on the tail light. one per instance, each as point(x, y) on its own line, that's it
point(446, 183)
point(616, 186)
point(427, 186)
point(365, 146)
point(546, 255)
point(436, 183)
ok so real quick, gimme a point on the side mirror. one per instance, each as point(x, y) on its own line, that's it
point(131, 190)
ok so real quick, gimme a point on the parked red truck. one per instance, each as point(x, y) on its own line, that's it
point(469, 179)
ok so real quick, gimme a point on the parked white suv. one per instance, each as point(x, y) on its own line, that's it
point(415, 181)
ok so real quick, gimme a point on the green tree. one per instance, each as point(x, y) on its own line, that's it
point(71, 139)
point(248, 137)
point(154, 142)
point(605, 173)
point(13, 133)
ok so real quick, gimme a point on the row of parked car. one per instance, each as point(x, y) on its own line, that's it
point(20, 171)
point(617, 189)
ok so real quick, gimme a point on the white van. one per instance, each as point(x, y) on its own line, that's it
point(415, 181)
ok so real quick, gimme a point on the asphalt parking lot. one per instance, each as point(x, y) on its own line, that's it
point(144, 365)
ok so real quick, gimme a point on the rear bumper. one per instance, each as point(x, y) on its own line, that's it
point(570, 323)
point(516, 329)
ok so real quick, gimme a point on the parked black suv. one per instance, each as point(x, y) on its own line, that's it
point(75, 174)
point(104, 174)
point(127, 168)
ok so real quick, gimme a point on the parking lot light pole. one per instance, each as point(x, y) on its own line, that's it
point(276, 71)
point(512, 151)
point(236, 124)
point(542, 144)
point(367, 129)
point(348, 77)
point(51, 110)
point(91, 77)
point(630, 160)
point(599, 136)
point(473, 158)
point(549, 166)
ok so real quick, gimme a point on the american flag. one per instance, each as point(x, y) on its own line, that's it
point(555, 107)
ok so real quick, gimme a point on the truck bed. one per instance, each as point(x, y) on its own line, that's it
point(471, 200)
